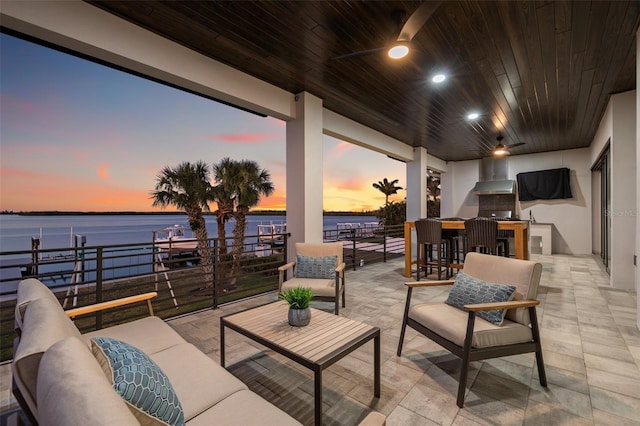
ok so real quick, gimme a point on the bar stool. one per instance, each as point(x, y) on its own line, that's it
point(457, 240)
point(482, 236)
point(429, 234)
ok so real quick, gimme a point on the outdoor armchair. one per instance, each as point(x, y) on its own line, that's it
point(320, 267)
point(490, 312)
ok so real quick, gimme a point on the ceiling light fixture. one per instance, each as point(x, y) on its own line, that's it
point(473, 116)
point(398, 51)
point(439, 78)
point(500, 150)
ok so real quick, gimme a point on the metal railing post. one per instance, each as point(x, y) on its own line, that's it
point(215, 260)
point(353, 250)
point(384, 243)
point(99, 295)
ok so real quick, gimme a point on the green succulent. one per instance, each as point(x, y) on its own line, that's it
point(297, 298)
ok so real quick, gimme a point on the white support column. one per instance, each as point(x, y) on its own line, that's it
point(304, 171)
point(417, 185)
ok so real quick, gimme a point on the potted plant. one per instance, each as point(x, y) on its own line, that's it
point(298, 300)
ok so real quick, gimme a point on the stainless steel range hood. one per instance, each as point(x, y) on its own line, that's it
point(494, 187)
point(494, 172)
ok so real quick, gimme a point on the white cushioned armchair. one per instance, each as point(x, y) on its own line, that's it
point(320, 267)
point(490, 312)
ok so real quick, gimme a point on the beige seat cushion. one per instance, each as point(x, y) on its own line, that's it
point(244, 408)
point(199, 382)
point(320, 250)
point(451, 323)
point(320, 287)
point(44, 324)
point(28, 290)
point(73, 390)
point(149, 334)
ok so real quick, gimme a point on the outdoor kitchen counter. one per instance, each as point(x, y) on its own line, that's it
point(520, 230)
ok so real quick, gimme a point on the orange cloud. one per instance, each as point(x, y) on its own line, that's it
point(103, 171)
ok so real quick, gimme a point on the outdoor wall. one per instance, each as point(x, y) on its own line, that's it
point(618, 127)
point(571, 217)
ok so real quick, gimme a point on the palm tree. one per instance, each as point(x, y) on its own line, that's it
point(387, 188)
point(187, 187)
point(250, 183)
point(224, 175)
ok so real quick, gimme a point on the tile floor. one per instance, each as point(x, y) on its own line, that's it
point(590, 342)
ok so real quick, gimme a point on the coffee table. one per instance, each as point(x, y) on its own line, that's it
point(327, 339)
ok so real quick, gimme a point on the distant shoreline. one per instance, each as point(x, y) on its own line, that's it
point(253, 213)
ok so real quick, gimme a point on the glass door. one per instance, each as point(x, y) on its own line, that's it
point(603, 166)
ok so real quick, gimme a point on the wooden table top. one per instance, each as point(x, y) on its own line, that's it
point(324, 337)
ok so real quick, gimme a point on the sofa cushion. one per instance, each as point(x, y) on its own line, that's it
point(316, 267)
point(244, 408)
point(320, 288)
point(468, 290)
point(139, 381)
point(44, 324)
point(73, 390)
point(28, 290)
point(149, 334)
point(451, 323)
point(199, 382)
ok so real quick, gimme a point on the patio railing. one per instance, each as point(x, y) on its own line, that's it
point(85, 275)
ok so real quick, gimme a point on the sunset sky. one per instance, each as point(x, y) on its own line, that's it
point(78, 136)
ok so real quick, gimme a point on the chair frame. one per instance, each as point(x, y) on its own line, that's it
point(339, 284)
point(442, 244)
point(466, 352)
point(490, 247)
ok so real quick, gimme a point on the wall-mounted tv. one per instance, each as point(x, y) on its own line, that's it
point(544, 184)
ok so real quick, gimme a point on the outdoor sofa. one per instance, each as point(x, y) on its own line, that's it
point(60, 380)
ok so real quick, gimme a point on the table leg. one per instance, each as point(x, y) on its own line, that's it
point(521, 240)
point(407, 249)
point(221, 343)
point(318, 395)
point(376, 365)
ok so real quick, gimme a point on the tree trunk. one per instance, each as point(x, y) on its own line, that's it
point(199, 228)
point(238, 240)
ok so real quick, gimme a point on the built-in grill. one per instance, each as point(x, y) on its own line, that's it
point(498, 214)
point(496, 194)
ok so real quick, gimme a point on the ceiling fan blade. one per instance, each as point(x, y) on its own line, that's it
point(359, 53)
point(514, 145)
point(417, 20)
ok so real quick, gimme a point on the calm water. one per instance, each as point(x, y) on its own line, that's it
point(58, 231)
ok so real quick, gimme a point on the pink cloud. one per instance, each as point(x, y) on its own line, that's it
point(103, 171)
point(243, 138)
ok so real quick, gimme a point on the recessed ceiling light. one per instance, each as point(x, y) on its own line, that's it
point(473, 116)
point(439, 78)
point(398, 51)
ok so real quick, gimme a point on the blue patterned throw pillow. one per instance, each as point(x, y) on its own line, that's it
point(468, 290)
point(139, 381)
point(316, 267)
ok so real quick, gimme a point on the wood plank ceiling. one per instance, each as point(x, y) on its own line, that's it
point(539, 73)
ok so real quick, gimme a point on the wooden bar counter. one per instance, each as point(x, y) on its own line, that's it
point(520, 230)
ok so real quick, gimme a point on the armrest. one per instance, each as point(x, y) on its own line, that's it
point(89, 309)
point(479, 307)
point(286, 266)
point(429, 283)
point(341, 267)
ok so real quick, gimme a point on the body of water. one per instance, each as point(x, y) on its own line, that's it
point(100, 230)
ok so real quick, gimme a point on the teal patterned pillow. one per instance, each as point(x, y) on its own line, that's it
point(468, 290)
point(139, 381)
point(316, 267)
